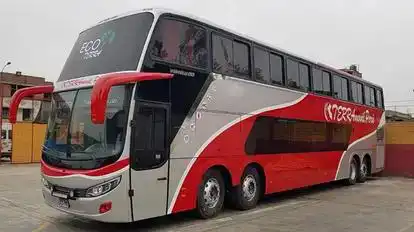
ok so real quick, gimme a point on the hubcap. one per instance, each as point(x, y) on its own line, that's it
point(249, 187)
point(364, 169)
point(211, 193)
point(353, 171)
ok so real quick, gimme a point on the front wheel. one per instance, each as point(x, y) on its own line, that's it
point(210, 194)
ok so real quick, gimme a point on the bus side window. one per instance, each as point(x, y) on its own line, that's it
point(379, 99)
point(292, 73)
point(180, 43)
point(230, 57)
point(261, 65)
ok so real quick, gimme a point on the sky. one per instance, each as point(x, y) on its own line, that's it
point(378, 35)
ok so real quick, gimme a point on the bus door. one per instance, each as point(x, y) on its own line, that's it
point(149, 159)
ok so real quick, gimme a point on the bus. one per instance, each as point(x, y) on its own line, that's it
point(158, 112)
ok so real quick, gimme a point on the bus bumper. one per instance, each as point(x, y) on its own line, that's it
point(90, 207)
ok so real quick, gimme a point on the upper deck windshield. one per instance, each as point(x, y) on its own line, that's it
point(108, 47)
point(73, 141)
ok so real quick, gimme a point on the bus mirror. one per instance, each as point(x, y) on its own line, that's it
point(22, 93)
point(104, 83)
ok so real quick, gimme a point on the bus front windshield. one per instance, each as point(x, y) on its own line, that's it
point(73, 141)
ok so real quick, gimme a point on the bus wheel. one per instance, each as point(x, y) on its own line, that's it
point(364, 171)
point(211, 194)
point(247, 193)
point(353, 172)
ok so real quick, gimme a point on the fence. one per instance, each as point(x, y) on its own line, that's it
point(27, 142)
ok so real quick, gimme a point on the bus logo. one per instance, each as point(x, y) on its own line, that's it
point(338, 113)
point(94, 48)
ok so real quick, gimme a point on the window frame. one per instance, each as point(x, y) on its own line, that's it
point(254, 64)
point(352, 92)
point(283, 58)
point(341, 78)
point(187, 21)
point(370, 87)
point(377, 90)
point(232, 39)
point(310, 79)
point(287, 71)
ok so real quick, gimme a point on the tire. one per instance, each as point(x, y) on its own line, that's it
point(363, 171)
point(246, 195)
point(210, 195)
point(353, 172)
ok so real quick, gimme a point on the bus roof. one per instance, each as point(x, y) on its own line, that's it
point(157, 11)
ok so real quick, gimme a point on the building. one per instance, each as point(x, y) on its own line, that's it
point(353, 70)
point(395, 116)
point(29, 108)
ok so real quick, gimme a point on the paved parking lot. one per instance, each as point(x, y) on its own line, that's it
point(382, 204)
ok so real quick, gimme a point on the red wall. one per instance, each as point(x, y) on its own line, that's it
point(399, 149)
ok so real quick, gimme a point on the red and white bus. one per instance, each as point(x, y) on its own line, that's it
point(157, 112)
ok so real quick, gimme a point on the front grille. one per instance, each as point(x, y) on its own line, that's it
point(66, 191)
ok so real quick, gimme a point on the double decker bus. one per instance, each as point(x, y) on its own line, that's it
point(157, 112)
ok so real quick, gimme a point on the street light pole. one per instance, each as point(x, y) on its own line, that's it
point(1, 105)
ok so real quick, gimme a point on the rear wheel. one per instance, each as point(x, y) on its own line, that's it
point(210, 194)
point(246, 195)
point(353, 172)
point(364, 171)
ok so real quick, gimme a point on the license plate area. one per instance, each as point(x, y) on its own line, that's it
point(63, 203)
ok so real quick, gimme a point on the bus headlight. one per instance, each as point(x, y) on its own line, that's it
point(45, 183)
point(103, 188)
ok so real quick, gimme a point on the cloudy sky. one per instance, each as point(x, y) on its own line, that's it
point(36, 36)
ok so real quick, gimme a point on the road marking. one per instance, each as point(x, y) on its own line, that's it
point(234, 216)
point(225, 219)
point(406, 228)
point(272, 208)
point(41, 227)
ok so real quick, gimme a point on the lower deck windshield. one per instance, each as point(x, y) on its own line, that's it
point(73, 141)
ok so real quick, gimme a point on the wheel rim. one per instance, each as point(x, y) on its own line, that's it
point(211, 193)
point(249, 187)
point(364, 170)
point(353, 171)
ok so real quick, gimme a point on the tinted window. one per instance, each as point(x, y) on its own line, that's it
point(292, 73)
point(369, 96)
point(337, 87)
point(379, 98)
point(276, 69)
point(317, 81)
point(304, 77)
point(241, 59)
point(109, 47)
point(340, 88)
point(326, 77)
point(149, 137)
point(276, 135)
point(222, 55)
point(261, 65)
point(181, 43)
point(344, 89)
point(356, 92)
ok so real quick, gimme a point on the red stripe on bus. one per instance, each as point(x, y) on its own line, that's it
point(56, 172)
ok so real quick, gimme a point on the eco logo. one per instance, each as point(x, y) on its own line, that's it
point(94, 48)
